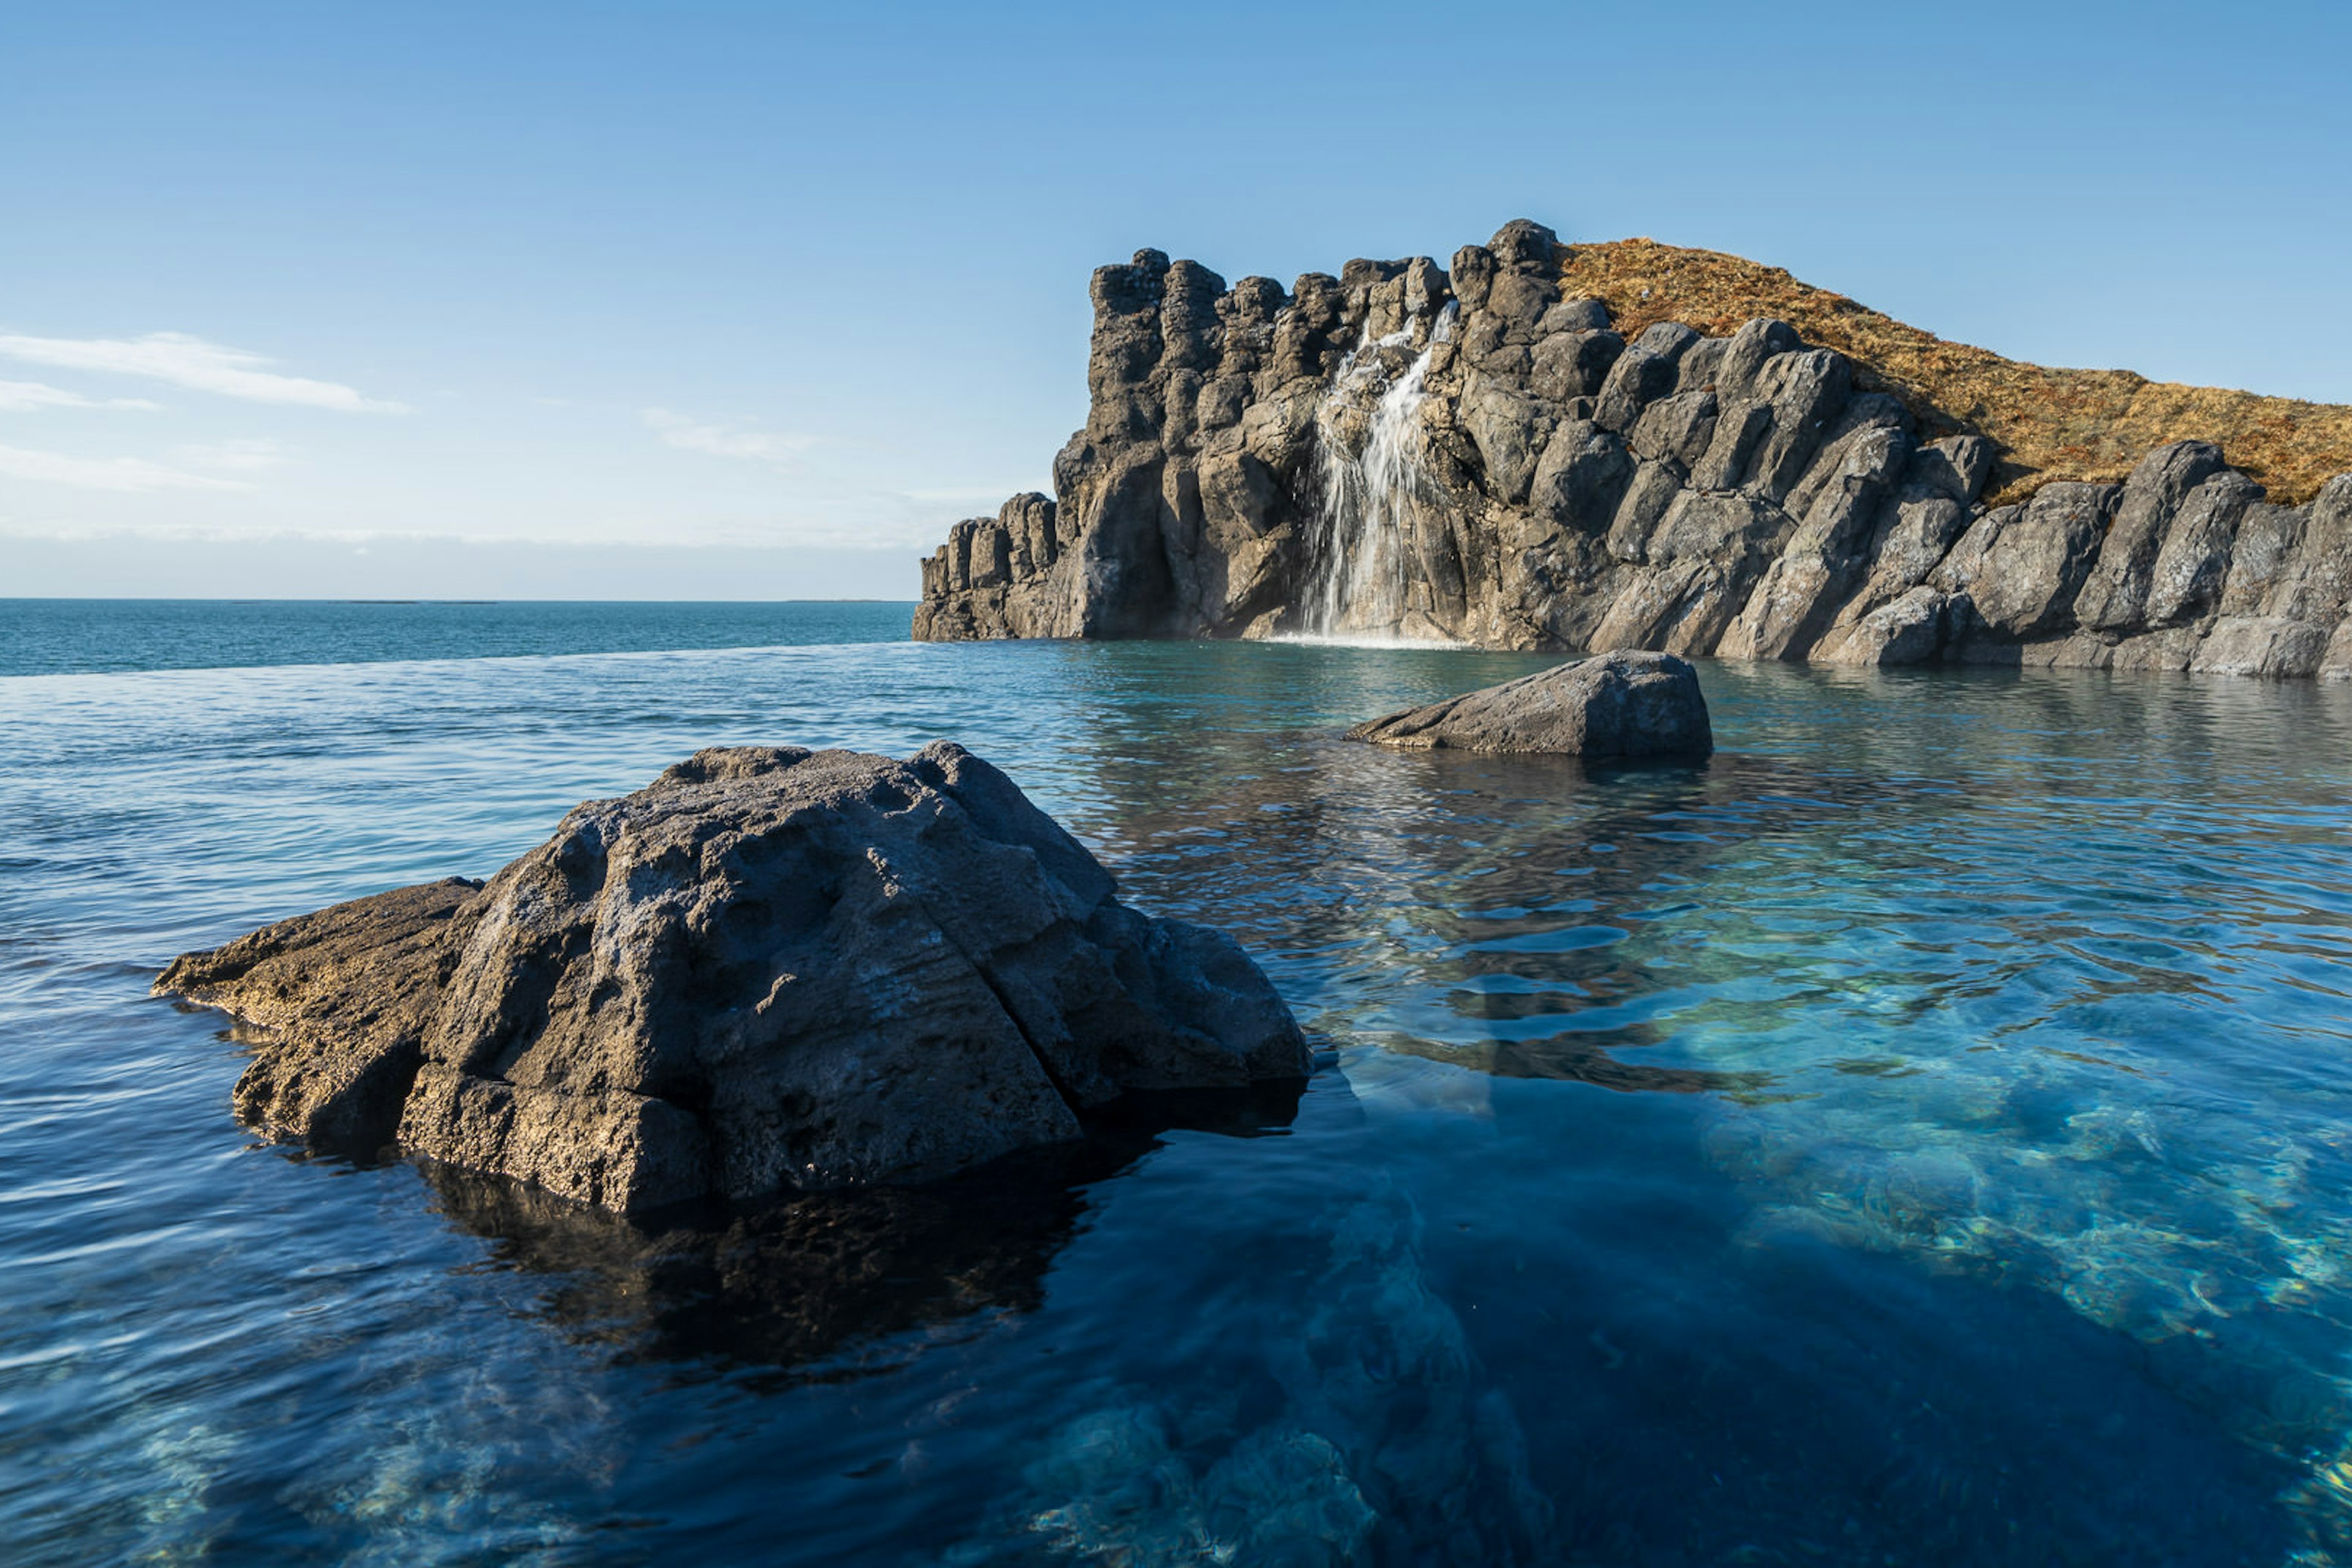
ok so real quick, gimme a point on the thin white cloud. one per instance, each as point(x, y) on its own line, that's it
point(776, 448)
point(191, 362)
point(236, 457)
point(24, 396)
point(121, 474)
point(81, 531)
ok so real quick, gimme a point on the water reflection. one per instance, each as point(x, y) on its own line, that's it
point(1517, 915)
point(827, 1284)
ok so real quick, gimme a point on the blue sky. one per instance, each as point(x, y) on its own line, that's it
point(752, 301)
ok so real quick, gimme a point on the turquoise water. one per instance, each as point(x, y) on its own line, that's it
point(1919, 1135)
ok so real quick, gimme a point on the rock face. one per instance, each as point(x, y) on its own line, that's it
point(1466, 454)
point(768, 970)
point(1617, 705)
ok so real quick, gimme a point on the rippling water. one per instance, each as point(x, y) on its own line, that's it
point(1917, 1136)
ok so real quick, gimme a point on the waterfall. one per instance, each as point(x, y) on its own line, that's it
point(1371, 493)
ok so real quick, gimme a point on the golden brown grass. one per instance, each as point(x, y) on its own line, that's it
point(2048, 424)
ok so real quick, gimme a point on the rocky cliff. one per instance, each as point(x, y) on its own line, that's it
point(1483, 455)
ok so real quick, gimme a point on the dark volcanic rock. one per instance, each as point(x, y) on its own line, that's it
point(1746, 495)
point(1618, 705)
point(769, 970)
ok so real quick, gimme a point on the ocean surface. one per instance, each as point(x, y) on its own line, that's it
point(1921, 1135)
point(80, 637)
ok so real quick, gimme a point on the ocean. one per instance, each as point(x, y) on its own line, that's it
point(1920, 1135)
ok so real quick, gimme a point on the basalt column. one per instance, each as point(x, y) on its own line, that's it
point(1476, 454)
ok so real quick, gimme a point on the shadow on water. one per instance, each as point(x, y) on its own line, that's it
point(828, 1285)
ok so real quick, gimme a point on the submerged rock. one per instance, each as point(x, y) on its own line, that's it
point(769, 970)
point(1618, 705)
point(1130, 1495)
point(1365, 1432)
point(792, 1283)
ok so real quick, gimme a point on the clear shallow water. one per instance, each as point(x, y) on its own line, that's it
point(1917, 1136)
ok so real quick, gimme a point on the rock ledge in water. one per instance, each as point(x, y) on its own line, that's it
point(1617, 705)
point(769, 969)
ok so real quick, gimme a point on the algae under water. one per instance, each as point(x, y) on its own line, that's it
point(1917, 1135)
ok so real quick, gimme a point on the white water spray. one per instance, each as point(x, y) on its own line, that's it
point(1373, 495)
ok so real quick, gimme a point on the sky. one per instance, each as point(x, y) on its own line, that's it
point(752, 301)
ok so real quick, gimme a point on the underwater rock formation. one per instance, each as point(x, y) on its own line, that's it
point(1369, 1433)
point(1476, 454)
point(769, 970)
point(792, 1283)
point(1616, 705)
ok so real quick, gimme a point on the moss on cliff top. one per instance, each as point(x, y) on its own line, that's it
point(2050, 424)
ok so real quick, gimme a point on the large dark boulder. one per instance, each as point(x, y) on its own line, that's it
point(1618, 705)
point(769, 970)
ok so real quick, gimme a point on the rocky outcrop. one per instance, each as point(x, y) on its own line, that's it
point(1622, 705)
point(769, 970)
point(1474, 455)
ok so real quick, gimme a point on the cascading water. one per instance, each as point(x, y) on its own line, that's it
point(1372, 494)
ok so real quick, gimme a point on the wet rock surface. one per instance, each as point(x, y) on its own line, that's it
point(771, 970)
point(1626, 705)
point(1748, 495)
